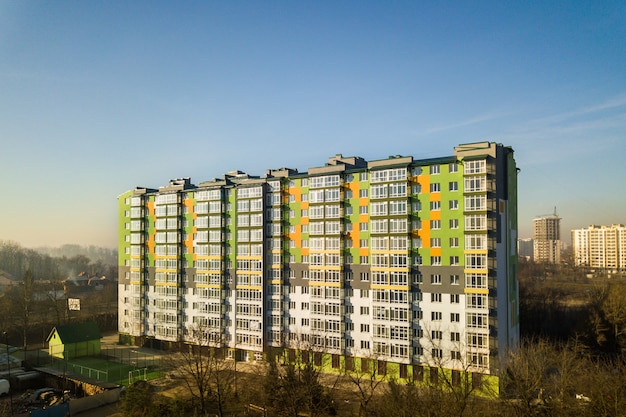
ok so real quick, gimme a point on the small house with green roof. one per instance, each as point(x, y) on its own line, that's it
point(74, 340)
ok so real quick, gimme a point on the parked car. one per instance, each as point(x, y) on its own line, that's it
point(4, 386)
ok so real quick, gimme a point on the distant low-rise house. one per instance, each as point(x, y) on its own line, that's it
point(74, 340)
point(85, 284)
point(6, 280)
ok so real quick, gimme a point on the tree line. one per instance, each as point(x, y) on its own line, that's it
point(36, 298)
point(58, 263)
point(559, 302)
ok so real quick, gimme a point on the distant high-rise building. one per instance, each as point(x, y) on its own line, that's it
point(602, 247)
point(547, 238)
point(402, 261)
point(525, 248)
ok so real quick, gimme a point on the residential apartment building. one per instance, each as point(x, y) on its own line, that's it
point(547, 239)
point(409, 262)
point(600, 247)
point(525, 248)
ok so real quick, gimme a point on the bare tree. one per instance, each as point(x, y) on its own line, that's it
point(543, 378)
point(366, 378)
point(201, 365)
point(296, 386)
point(26, 305)
point(453, 379)
point(605, 394)
point(607, 303)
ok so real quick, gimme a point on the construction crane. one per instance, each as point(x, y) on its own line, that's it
point(548, 215)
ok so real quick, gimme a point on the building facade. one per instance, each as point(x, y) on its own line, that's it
point(409, 262)
point(600, 247)
point(547, 239)
point(525, 248)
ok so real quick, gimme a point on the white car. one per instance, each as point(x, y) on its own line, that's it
point(4, 386)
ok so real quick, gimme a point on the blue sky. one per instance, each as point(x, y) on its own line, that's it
point(97, 97)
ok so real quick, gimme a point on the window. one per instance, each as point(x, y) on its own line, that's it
point(379, 191)
point(475, 184)
point(398, 243)
point(455, 317)
point(454, 280)
point(363, 243)
point(476, 203)
point(435, 169)
point(435, 187)
point(454, 242)
point(454, 204)
point(362, 176)
point(397, 190)
point(435, 205)
point(476, 261)
point(379, 226)
point(435, 224)
point(397, 207)
point(436, 316)
point(476, 280)
point(476, 340)
point(455, 336)
point(363, 193)
point(476, 242)
point(454, 298)
point(475, 167)
point(347, 211)
point(453, 167)
point(436, 334)
point(397, 225)
point(379, 209)
point(477, 320)
point(453, 186)
point(363, 209)
point(435, 297)
point(478, 301)
point(454, 223)
point(435, 242)
point(363, 227)
point(435, 260)
point(454, 260)
point(476, 222)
